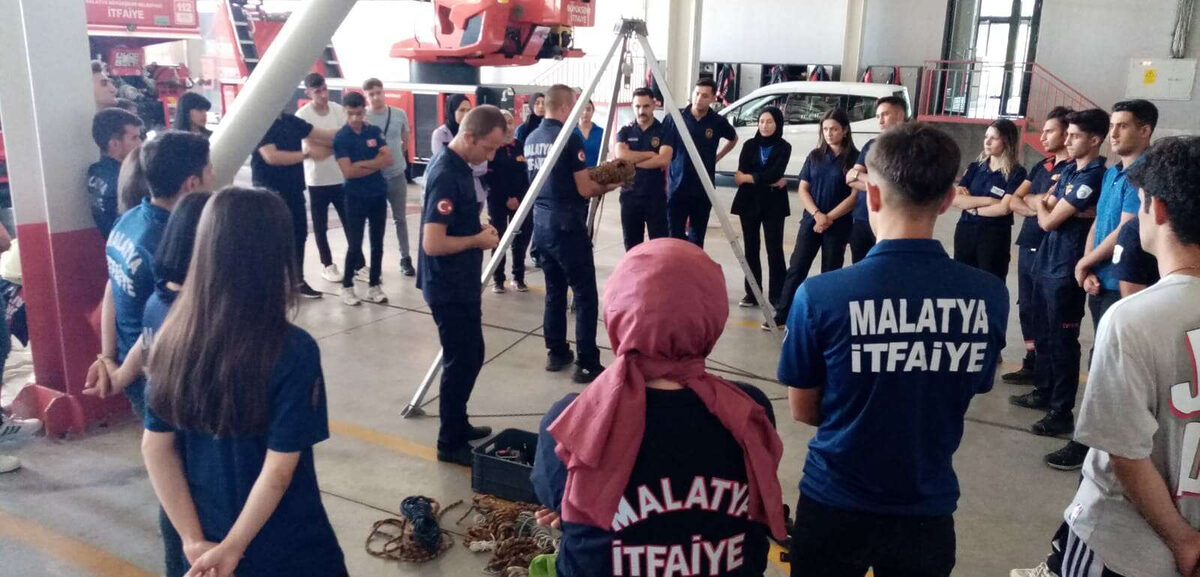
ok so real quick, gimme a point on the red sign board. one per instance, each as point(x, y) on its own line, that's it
point(125, 61)
point(143, 13)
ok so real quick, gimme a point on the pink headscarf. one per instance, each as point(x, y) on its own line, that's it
point(665, 306)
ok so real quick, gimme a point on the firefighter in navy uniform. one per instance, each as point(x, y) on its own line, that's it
point(450, 261)
point(644, 205)
point(560, 233)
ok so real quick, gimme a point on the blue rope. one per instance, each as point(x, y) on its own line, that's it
point(419, 511)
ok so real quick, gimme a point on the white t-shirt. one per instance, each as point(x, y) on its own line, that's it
point(1141, 402)
point(323, 172)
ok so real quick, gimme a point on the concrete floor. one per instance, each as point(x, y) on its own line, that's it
point(84, 506)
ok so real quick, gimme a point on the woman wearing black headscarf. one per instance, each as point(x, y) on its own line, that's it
point(761, 200)
point(537, 112)
point(457, 107)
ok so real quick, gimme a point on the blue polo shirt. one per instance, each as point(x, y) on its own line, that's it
point(357, 146)
point(826, 180)
point(981, 181)
point(707, 134)
point(1041, 177)
point(648, 183)
point(591, 144)
point(558, 207)
point(297, 538)
point(860, 206)
point(450, 200)
point(899, 344)
point(1117, 195)
point(1063, 247)
point(102, 192)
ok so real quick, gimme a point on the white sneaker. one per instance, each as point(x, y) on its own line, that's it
point(375, 295)
point(332, 274)
point(9, 463)
point(1039, 571)
point(19, 429)
point(348, 297)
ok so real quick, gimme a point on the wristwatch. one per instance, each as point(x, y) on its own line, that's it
point(853, 174)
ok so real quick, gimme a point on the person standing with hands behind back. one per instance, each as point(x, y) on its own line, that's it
point(450, 261)
point(761, 200)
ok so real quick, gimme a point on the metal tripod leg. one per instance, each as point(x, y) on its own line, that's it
point(610, 120)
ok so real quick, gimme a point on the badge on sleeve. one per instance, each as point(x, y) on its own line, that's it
point(1054, 177)
point(582, 156)
point(445, 207)
point(1083, 192)
point(1117, 252)
point(371, 143)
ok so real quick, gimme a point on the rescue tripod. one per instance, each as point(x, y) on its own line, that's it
point(626, 31)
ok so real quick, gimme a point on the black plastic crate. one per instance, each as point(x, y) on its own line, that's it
point(502, 478)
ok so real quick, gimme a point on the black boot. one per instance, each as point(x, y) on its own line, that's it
point(1024, 375)
point(1054, 424)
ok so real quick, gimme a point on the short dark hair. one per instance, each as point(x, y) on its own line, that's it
point(918, 160)
point(707, 83)
point(127, 104)
point(174, 253)
point(483, 120)
point(1143, 110)
point(1060, 113)
point(97, 67)
point(894, 101)
point(643, 92)
point(1170, 172)
point(110, 123)
point(354, 100)
point(372, 83)
point(1093, 121)
point(170, 158)
point(314, 80)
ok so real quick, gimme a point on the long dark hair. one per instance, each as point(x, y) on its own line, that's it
point(187, 103)
point(211, 364)
point(849, 154)
point(174, 254)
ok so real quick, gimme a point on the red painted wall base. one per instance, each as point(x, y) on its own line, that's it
point(67, 414)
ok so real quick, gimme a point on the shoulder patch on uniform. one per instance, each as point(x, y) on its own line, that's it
point(582, 156)
point(1083, 192)
point(655, 141)
point(445, 206)
point(1117, 251)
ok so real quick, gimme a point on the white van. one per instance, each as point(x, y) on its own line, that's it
point(803, 104)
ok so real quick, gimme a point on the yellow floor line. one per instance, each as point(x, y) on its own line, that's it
point(384, 440)
point(96, 562)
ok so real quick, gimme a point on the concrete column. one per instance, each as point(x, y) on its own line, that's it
point(856, 16)
point(683, 50)
point(290, 56)
point(46, 106)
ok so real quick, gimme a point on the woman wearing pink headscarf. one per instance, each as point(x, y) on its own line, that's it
point(658, 467)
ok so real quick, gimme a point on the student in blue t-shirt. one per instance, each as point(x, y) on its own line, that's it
point(117, 133)
point(1066, 215)
point(1039, 178)
point(890, 111)
point(592, 135)
point(984, 230)
point(827, 200)
point(362, 154)
point(236, 402)
point(175, 164)
point(884, 358)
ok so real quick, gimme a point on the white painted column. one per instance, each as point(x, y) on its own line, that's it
point(856, 16)
point(683, 49)
point(290, 56)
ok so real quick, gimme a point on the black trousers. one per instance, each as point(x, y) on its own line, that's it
point(642, 216)
point(772, 234)
point(296, 206)
point(460, 329)
point(1026, 309)
point(360, 213)
point(687, 215)
point(832, 542)
point(862, 240)
point(321, 198)
point(984, 246)
point(1060, 303)
point(567, 262)
point(832, 246)
point(500, 216)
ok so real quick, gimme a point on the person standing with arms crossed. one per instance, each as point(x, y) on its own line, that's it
point(644, 206)
point(450, 260)
point(889, 396)
point(362, 153)
point(394, 124)
point(688, 207)
point(560, 231)
point(891, 111)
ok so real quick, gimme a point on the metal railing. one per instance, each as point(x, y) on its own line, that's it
point(976, 91)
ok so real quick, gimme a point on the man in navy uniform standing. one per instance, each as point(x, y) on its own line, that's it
point(688, 207)
point(560, 233)
point(644, 205)
point(884, 358)
point(449, 264)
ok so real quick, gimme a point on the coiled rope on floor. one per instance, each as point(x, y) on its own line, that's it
point(510, 531)
point(415, 538)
